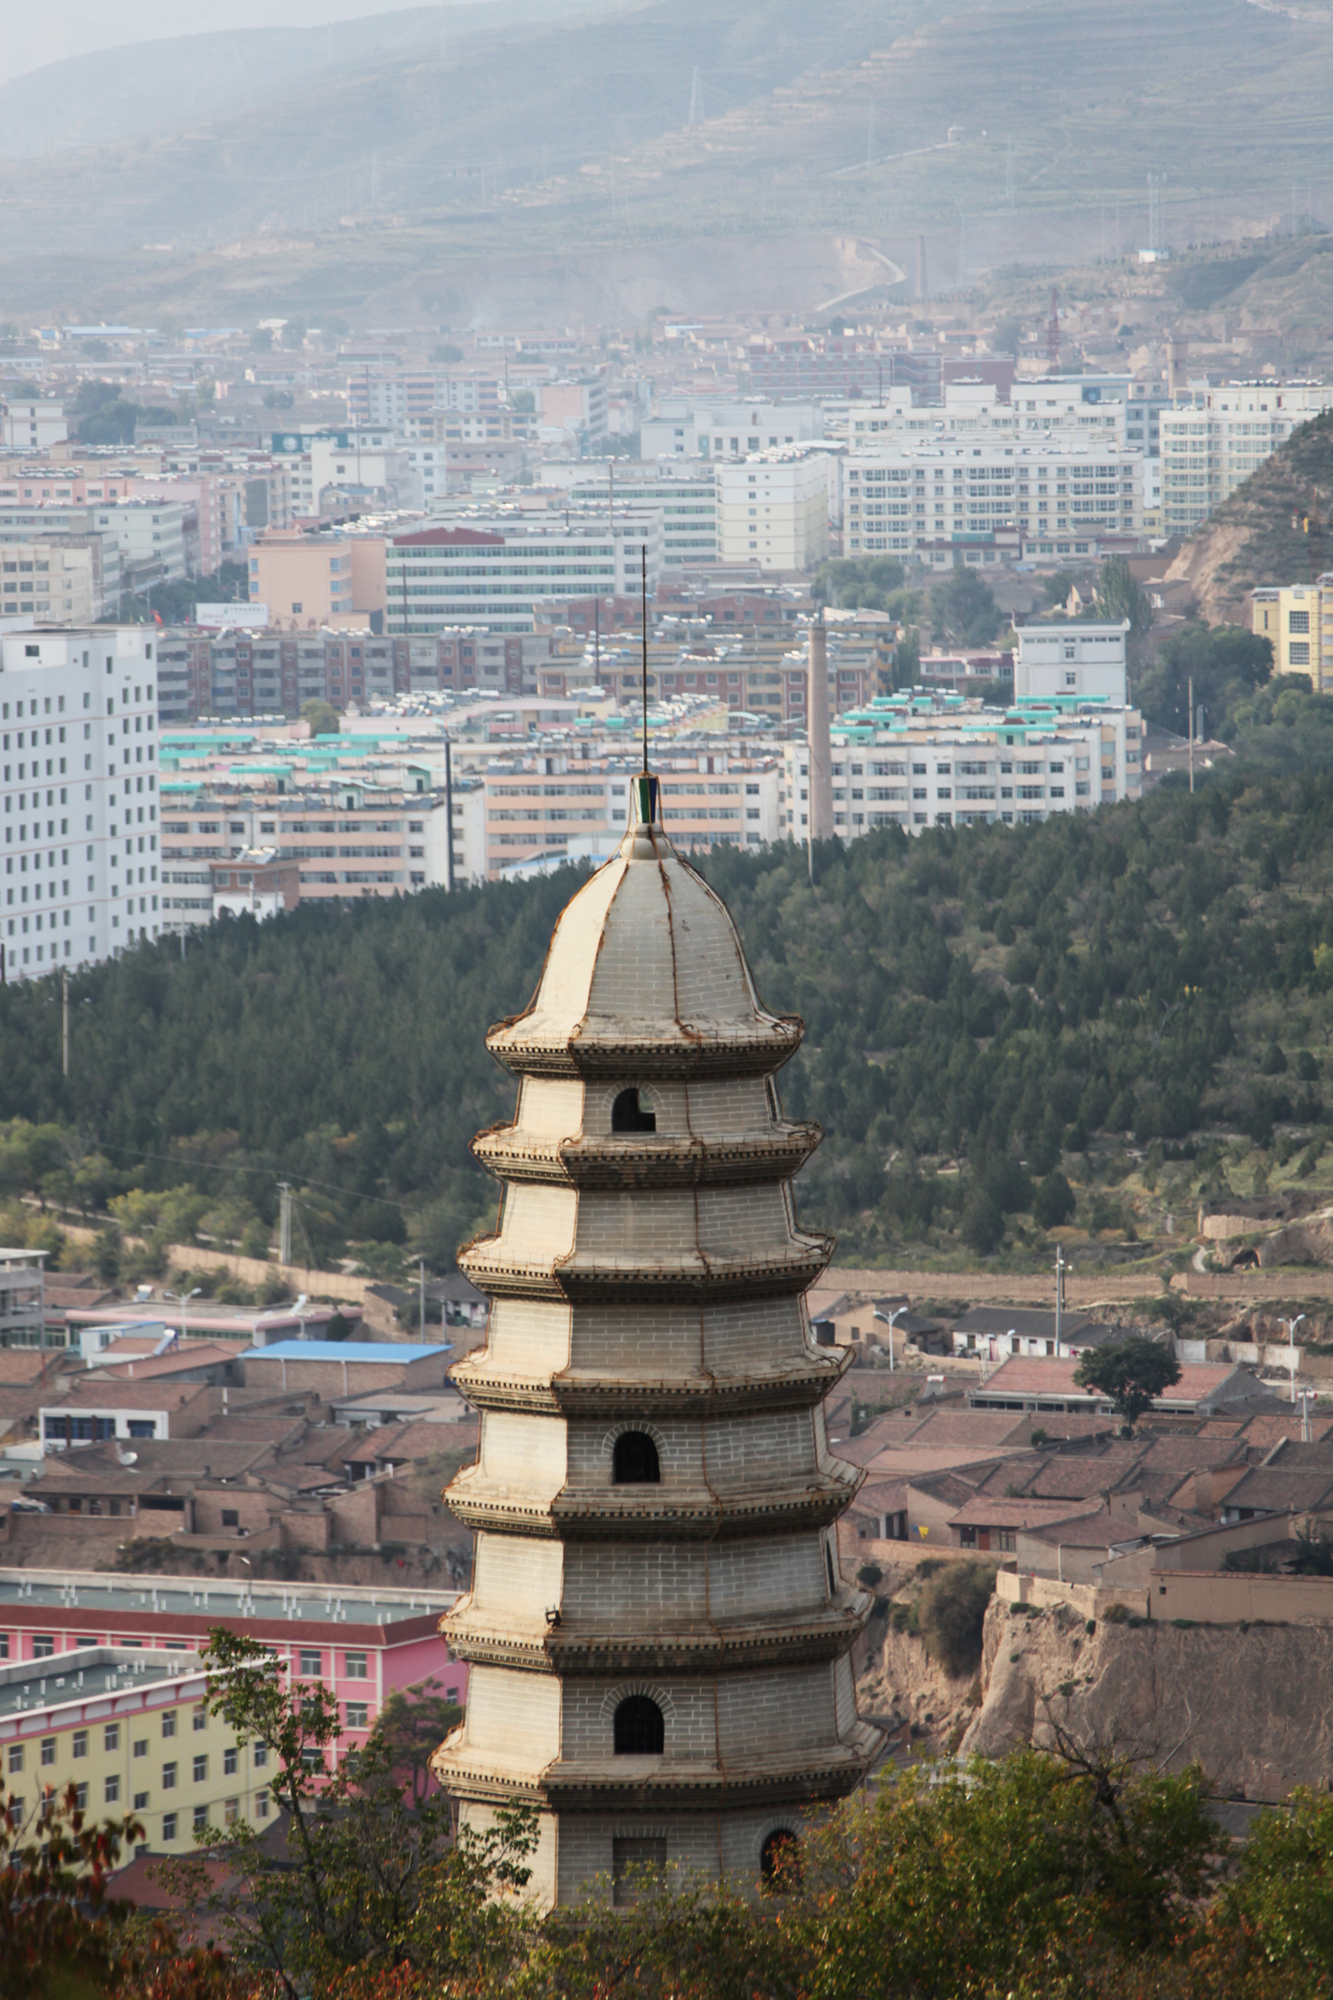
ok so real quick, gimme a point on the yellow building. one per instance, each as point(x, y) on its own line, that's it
point(1295, 618)
point(312, 581)
point(130, 1730)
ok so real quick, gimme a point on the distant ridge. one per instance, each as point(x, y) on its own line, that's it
point(119, 94)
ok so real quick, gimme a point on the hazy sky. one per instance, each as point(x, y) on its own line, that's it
point(37, 35)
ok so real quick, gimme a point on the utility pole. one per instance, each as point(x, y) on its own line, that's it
point(285, 1224)
point(1059, 1294)
point(64, 1026)
point(1191, 688)
point(421, 1308)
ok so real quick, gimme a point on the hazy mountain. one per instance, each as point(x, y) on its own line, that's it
point(607, 159)
point(172, 85)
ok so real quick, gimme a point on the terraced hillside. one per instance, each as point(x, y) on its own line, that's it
point(570, 144)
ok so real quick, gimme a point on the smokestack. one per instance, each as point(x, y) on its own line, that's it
point(817, 724)
point(922, 289)
point(1177, 354)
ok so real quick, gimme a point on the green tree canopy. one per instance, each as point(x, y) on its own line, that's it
point(1120, 597)
point(1132, 1373)
point(1227, 665)
point(321, 716)
point(963, 610)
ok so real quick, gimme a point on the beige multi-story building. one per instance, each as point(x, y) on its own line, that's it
point(311, 581)
point(559, 803)
point(900, 497)
point(496, 572)
point(33, 425)
point(57, 579)
point(975, 411)
point(961, 765)
point(1297, 620)
point(348, 840)
point(1211, 447)
point(773, 509)
point(658, 1631)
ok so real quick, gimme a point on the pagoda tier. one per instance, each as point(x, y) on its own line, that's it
point(658, 1629)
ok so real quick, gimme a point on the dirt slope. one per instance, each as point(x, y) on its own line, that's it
point(1250, 1706)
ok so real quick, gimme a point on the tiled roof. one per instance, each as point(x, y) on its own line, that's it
point(95, 1394)
point(967, 1427)
point(1270, 1489)
point(1024, 1375)
point(1192, 1454)
point(177, 1360)
point(1266, 1431)
point(983, 1510)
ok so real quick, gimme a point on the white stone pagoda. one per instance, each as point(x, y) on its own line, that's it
point(658, 1628)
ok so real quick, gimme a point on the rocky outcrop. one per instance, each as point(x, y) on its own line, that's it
point(1249, 1705)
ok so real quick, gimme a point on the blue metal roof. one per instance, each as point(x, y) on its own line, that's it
point(345, 1350)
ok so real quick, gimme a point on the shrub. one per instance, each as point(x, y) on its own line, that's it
point(952, 1612)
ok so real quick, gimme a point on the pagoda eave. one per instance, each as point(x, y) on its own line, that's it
point(675, 1049)
point(585, 1395)
point(665, 1517)
point(646, 1163)
point(584, 1279)
point(742, 1646)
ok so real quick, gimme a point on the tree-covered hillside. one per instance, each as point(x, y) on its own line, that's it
point(992, 1014)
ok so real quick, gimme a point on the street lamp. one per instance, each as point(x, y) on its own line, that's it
point(182, 1300)
point(887, 1319)
point(1291, 1326)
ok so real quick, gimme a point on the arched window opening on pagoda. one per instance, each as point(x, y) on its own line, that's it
point(634, 1460)
point(633, 1112)
point(779, 1859)
point(639, 1728)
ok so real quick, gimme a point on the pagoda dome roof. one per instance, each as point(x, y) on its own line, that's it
point(645, 975)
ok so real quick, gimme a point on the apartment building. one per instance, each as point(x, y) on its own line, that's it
point(22, 1298)
point(324, 842)
point(327, 461)
point(101, 1686)
point(1212, 447)
point(953, 763)
point(576, 404)
point(404, 403)
point(688, 505)
point(57, 579)
point(1072, 662)
point(311, 581)
point(497, 576)
point(34, 424)
point(974, 411)
point(264, 673)
point(902, 498)
point(1297, 620)
point(78, 795)
point(556, 802)
point(694, 427)
point(773, 509)
point(148, 536)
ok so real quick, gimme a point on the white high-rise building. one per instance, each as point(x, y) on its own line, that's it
point(78, 795)
point(902, 497)
point(1212, 447)
point(773, 509)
